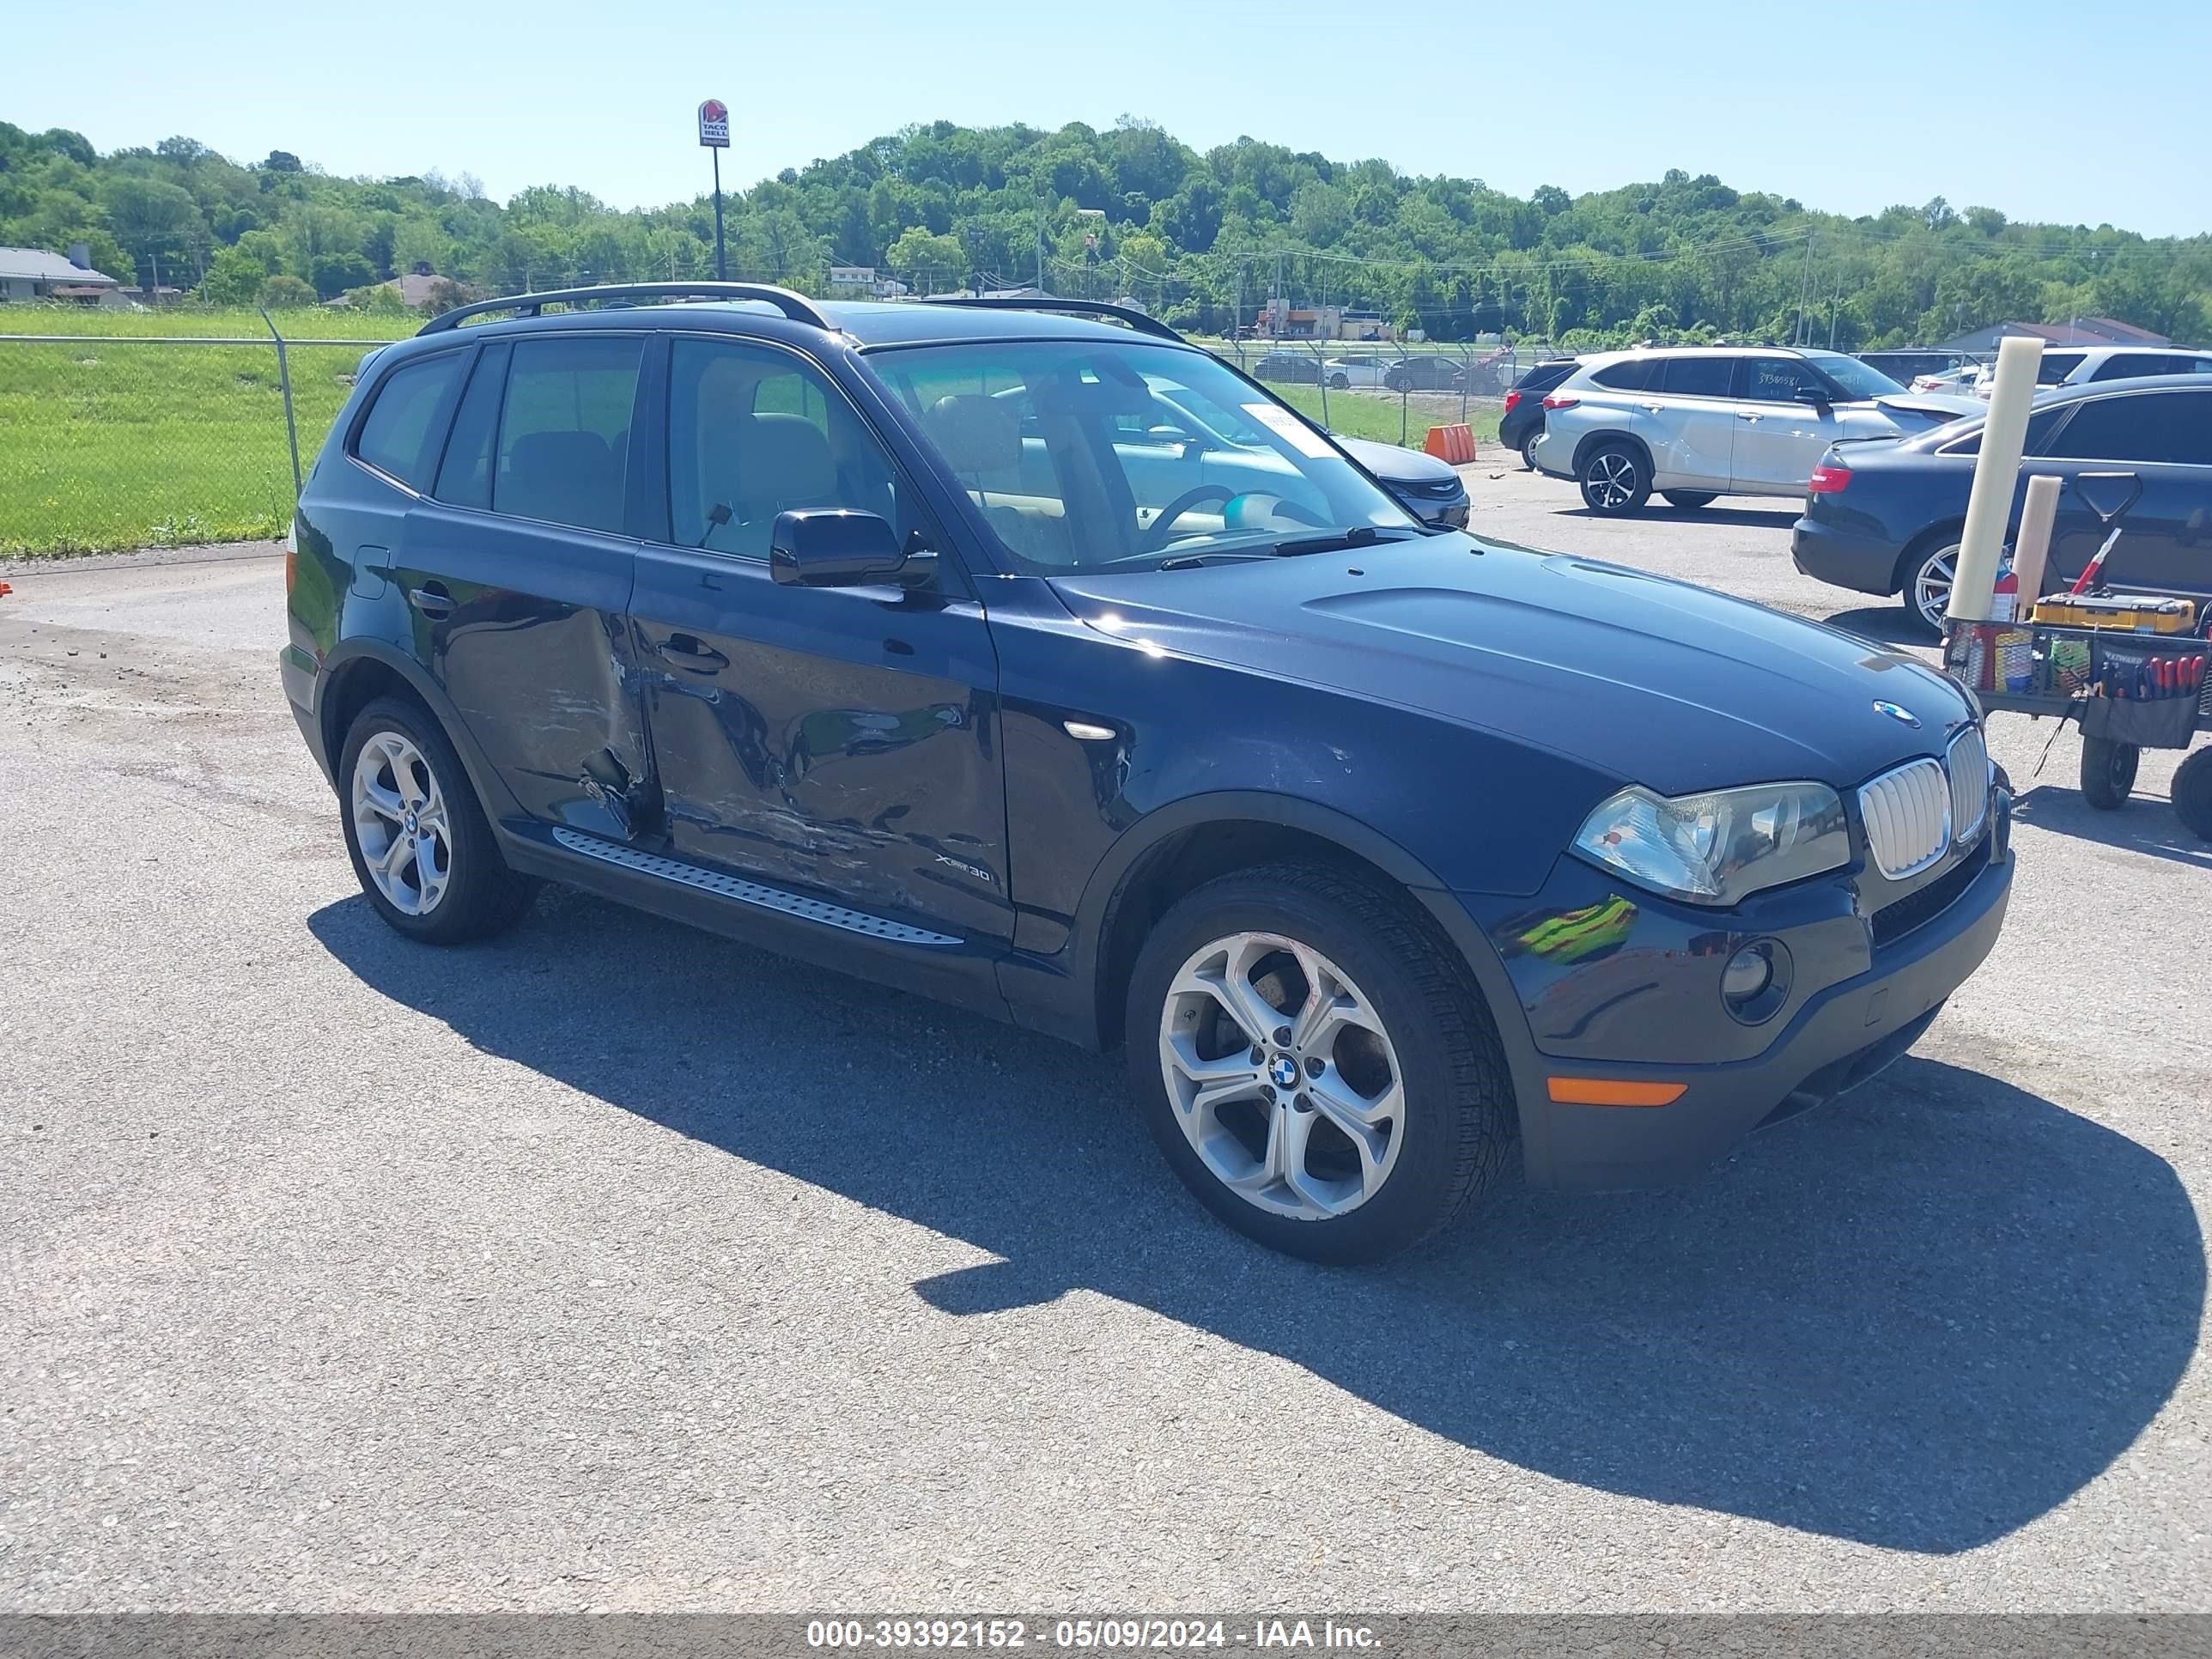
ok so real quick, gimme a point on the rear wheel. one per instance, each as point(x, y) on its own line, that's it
point(1529, 448)
point(1615, 479)
point(420, 846)
point(2108, 772)
point(1928, 586)
point(1339, 382)
point(1314, 1063)
point(2192, 794)
point(1690, 500)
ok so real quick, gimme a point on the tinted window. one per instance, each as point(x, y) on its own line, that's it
point(564, 431)
point(753, 432)
point(2039, 426)
point(406, 425)
point(2150, 427)
point(2057, 365)
point(1864, 381)
point(1776, 380)
point(1698, 377)
point(1633, 375)
point(2135, 366)
point(1544, 376)
point(465, 479)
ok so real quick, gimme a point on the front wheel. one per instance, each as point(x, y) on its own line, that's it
point(1316, 1065)
point(1615, 480)
point(420, 846)
point(2108, 772)
point(1690, 500)
point(2192, 794)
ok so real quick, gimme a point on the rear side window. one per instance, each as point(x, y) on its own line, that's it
point(1699, 377)
point(2149, 428)
point(564, 431)
point(2039, 434)
point(406, 424)
point(2136, 367)
point(465, 477)
point(2056, 367)
point(1633, 375)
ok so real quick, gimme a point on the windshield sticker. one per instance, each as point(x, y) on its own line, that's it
point(1290, 429)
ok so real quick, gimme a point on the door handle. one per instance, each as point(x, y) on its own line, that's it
point(431, 600)
point(1745, 415)
point(1654, 408)
point(693, 655)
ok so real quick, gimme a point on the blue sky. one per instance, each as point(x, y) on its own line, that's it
point(1847, 107)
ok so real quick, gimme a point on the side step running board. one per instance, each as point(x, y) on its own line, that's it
point(747, 892)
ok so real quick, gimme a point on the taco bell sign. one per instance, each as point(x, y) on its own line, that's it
point(714, 125)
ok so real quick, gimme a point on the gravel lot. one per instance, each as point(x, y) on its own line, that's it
point(616, 1265)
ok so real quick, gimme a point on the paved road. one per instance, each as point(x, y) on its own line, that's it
point(613, 1264)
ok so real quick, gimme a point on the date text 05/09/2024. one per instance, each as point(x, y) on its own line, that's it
point(1116, 1634)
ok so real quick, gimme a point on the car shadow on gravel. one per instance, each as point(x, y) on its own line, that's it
point(2146, 824)
point(1885, 624)
point(1918, 1319)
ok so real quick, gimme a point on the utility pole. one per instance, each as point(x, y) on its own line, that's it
point(1237, 308)
point(1804, 287)
point(1834, 303)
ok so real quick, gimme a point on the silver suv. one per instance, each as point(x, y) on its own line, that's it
point(1700, 422)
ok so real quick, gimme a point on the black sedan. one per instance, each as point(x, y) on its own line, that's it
point(1428, 371)
point(1885, 516)
point(1522, 423)
point(1288, 368)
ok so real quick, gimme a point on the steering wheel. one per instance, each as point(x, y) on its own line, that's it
point(1156, 538)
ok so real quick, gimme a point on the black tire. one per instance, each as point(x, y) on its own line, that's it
point(1616, 479)
point(2192, 794)
point(2108, 772)
point(1690, 500)
point(1459, 1117)
point(482, 896)
point(1340, 383)
point(1529, 448)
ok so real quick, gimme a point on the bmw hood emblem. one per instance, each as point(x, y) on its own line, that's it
point(1896, 713)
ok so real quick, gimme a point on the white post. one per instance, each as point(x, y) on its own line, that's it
point(1995, 471)
point(2030, 549)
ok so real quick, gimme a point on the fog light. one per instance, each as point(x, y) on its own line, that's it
point(1748, 973)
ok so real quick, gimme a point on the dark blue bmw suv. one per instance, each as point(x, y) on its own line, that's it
point(895, 637)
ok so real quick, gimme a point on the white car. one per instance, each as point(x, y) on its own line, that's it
point(1695, 422)
point(1962, 380)
point(1365, 370)
point(2079, 365)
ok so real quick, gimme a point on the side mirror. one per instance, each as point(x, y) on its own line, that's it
point(834, 547)
point(1814, 395)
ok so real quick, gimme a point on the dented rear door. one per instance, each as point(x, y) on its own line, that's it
point(517, 575)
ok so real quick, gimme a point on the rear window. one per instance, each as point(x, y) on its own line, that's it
point(1545, 376)
point(1633, 375)
point(1698, 377)
point(2038, 435)
point(406, 424)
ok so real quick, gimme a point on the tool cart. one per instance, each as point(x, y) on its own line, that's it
point(2133, 670)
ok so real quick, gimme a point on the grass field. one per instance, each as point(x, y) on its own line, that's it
point(108, 443)
point(115, 444)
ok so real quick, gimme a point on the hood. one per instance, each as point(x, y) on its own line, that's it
point(1394, 463)
point(1650, 680)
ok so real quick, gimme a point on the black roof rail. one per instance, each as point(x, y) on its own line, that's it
point(797, 306)
point(1136, 320)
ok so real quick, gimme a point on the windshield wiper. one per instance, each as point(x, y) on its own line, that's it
point(1358, 535)
point(1199, 561)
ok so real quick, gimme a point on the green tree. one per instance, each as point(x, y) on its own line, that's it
point(284, 294)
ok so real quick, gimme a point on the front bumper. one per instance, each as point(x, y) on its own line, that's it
point(1638, 1002)
point(1844, 558)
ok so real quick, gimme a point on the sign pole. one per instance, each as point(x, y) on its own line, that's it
point(721, 262)
point(714, 135)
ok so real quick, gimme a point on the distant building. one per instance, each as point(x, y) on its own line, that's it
point(2080, 332)
point(29, 273)
point(851, 278)
point(413, 287)
point(1283, 320)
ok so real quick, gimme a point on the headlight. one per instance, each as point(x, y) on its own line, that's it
point(1719, 848)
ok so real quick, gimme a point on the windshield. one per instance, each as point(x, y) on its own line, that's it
point(1864, 381)
point(1087, 453)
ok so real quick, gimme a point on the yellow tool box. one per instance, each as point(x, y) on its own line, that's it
point(2139, 613)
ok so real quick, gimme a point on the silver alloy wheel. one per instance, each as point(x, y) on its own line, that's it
point(1931, 585)
point(1282, 1075)
point(399, 820)
point(1612, 476)
point(1528, 449)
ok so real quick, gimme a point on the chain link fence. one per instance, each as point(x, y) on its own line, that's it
point(113, 440)
point(174, 428)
